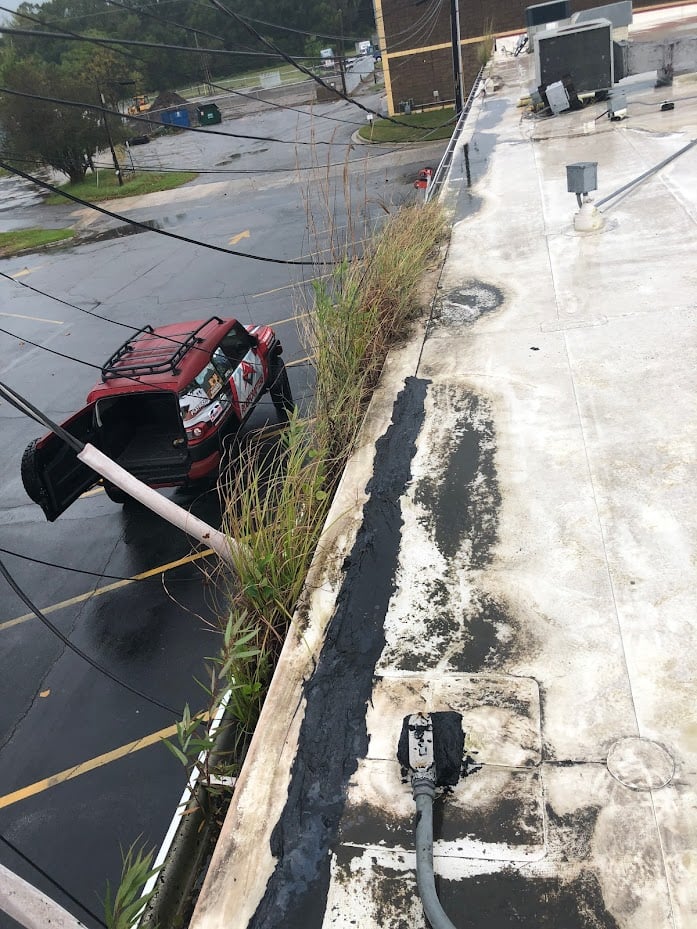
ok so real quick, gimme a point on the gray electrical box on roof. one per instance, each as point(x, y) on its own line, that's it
point(583, 53)
point(557, 97)
point(582, 177)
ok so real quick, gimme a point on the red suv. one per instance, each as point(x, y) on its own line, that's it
point(166, 400)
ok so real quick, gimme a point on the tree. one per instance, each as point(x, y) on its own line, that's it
point(60, 136)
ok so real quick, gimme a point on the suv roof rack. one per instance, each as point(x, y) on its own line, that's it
point(151, 361)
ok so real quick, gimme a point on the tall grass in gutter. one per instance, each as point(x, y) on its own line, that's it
point(276, 498)
point(365, 309)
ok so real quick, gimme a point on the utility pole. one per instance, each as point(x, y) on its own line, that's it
point(457, 54)
point(117, 167)
point(205, 67)
point(342, 60)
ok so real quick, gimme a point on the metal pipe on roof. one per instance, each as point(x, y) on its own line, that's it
point(647, 174)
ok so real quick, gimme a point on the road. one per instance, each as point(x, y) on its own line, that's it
point(74, 788)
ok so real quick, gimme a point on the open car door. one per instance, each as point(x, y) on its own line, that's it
point(52, 474)
point(143, 432)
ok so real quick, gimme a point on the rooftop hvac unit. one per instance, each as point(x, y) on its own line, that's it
point(580, 52)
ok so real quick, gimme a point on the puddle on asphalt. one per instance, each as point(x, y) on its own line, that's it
point(233, 156)
point(228, 160)
point(121, 232)
point(16, 193)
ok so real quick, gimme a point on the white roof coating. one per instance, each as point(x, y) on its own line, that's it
point(543, 582)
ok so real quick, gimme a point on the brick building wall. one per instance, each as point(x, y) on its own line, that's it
point(416, 43)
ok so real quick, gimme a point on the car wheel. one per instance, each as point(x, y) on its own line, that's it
point(279, 388)
point(115, 494)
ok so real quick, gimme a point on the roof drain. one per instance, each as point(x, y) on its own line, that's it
point(430, 750)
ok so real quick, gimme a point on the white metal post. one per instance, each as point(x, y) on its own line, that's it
point(176, 515)
point(30, 907)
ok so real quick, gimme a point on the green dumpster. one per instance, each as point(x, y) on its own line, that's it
point(208, 114)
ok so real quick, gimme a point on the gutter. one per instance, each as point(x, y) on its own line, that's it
point(181, 857)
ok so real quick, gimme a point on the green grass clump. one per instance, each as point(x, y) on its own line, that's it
point(428, 126)
point(104, 185)
point(123, 906)
point(23, 239)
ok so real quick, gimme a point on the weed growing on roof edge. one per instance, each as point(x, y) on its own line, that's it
point(122, 909)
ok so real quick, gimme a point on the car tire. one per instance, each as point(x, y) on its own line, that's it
point(279, 388)
point(115, 494)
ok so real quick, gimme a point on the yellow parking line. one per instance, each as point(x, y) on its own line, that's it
point(39, 786)
point(328, 248)
point(35, 319)
point(288, 319)
point(290, 364)
point(275, 290)
point(24, 272)
point(106, 589)
point(99, 489)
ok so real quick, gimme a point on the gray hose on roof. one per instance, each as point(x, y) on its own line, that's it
point(424, 792)
point(647, 174)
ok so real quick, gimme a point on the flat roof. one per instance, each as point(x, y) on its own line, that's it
point(515, 541)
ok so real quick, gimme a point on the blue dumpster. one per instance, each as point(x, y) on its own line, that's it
point(176, 117)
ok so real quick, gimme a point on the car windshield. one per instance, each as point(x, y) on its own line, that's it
point(206, 390)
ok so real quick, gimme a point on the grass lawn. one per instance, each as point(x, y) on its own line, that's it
point(104, 186)
point(288, 73)
point(20, 239)
point(417, 127)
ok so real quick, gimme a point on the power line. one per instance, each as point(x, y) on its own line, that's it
point(278, 53)
point(145, 227)
point(296, 64)
point(79, 104)
point(66, 893)
point(74, 648)
point(73, 306)
point(53, 351)
point(320, 35)
point(62, 567)
point(283, 106)
point(134, 43)
point(143, 11)
point(25, 406)
point(35, 19)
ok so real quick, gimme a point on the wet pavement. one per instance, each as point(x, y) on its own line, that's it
point(514, 542)
point(75, 782)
